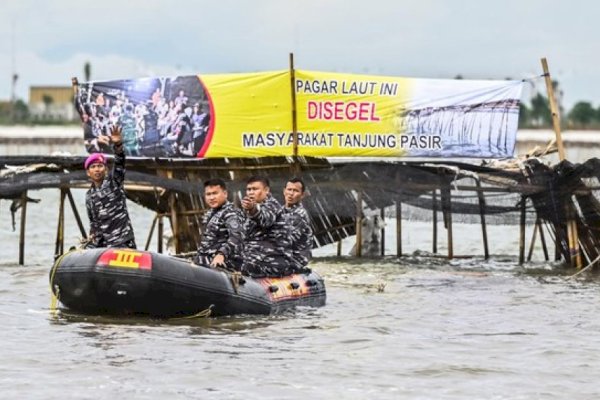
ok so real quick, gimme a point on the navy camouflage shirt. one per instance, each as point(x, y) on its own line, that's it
point(223, 233)
point(106, 205)
point(301, 234)
point(267, 244)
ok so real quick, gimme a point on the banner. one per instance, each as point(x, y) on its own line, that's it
point(250, 115)
point(361, 115)
point(186, 116)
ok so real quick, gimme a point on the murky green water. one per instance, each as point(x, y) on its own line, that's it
point(465, 329)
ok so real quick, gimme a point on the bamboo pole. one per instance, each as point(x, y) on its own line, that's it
point(151, 233)
point(481, 197)
point(76, 213)
point(359, 224)
point(160, 234)
point(339, 248)
point(22, 228)
point(573, 240)
point(435, 222)
point(294, 111)
point(522, 232)
point(447, 210)
point(382, 216)
point(575, 233)
point(60, 229)
point(543, 240)
point(174, 222)
point(533, 239)
point(553, 110)
point(570, 239)
point(558, 244)
point(574, 249)
point(398, 228)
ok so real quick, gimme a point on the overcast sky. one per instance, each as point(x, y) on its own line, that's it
point(48, 42)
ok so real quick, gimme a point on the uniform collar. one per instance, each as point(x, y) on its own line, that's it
point(294, 206)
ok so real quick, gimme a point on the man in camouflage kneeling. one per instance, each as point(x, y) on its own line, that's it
point(267, 245)
point(222, 240)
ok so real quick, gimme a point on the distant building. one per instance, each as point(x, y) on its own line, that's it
point(52, 102)
point(5, 106)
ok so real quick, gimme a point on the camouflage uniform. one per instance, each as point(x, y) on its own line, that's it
point(301, 235)
point(106, 206)
point(267, 245)
point(223, 233)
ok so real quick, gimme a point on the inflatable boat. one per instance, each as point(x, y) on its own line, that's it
point(114, 281)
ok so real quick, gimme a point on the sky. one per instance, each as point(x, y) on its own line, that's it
point(48, 42)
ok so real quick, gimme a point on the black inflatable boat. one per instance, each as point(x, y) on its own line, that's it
point(124, 281)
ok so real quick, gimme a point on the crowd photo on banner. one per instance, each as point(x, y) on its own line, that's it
point(160, 117)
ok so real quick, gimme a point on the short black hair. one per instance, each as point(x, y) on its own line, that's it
point(257, 178)
point(297, 180)
point(215, 182)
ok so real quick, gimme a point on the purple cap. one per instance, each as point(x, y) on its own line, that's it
point(94, 158)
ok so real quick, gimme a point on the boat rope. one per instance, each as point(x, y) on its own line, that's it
point(54, 298)
point(202, 314)
point(236, 278)
point(84, 241)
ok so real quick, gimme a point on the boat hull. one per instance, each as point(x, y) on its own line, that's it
point(131, 282)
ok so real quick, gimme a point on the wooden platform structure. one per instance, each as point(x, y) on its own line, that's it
point(560, 201)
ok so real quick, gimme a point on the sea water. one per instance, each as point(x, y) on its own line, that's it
point(415, 327)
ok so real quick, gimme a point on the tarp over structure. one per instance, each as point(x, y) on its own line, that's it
point(312, 114)
point(517, 192)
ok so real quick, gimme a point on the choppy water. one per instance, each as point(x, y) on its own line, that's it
point(464, 329)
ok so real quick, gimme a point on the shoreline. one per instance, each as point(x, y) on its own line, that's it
point(21, 140)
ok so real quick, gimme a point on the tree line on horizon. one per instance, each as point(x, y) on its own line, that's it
point(535, 115)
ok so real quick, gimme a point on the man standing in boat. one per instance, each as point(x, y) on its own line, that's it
point(267, 244)
point(222, 240)
point(301, 233)
point(105, 201)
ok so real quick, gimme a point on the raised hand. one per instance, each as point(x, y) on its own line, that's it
point(116, 134)
point(249, 205)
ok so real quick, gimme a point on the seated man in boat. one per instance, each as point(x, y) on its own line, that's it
point(301, 233)
point(267, 245)
point(223, 231)
point(105, 201)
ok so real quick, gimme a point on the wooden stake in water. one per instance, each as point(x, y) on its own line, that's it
point(359, 224)
point(481, 197)
point(553, 110)
point(435, 211)
point(573, 240)
point(294, 114)
point(22, 228)
point(398, 227)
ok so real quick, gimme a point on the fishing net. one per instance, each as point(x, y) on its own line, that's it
point(338, 191)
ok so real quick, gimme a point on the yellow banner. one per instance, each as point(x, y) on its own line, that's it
point(251, 113)
point(347, 115)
